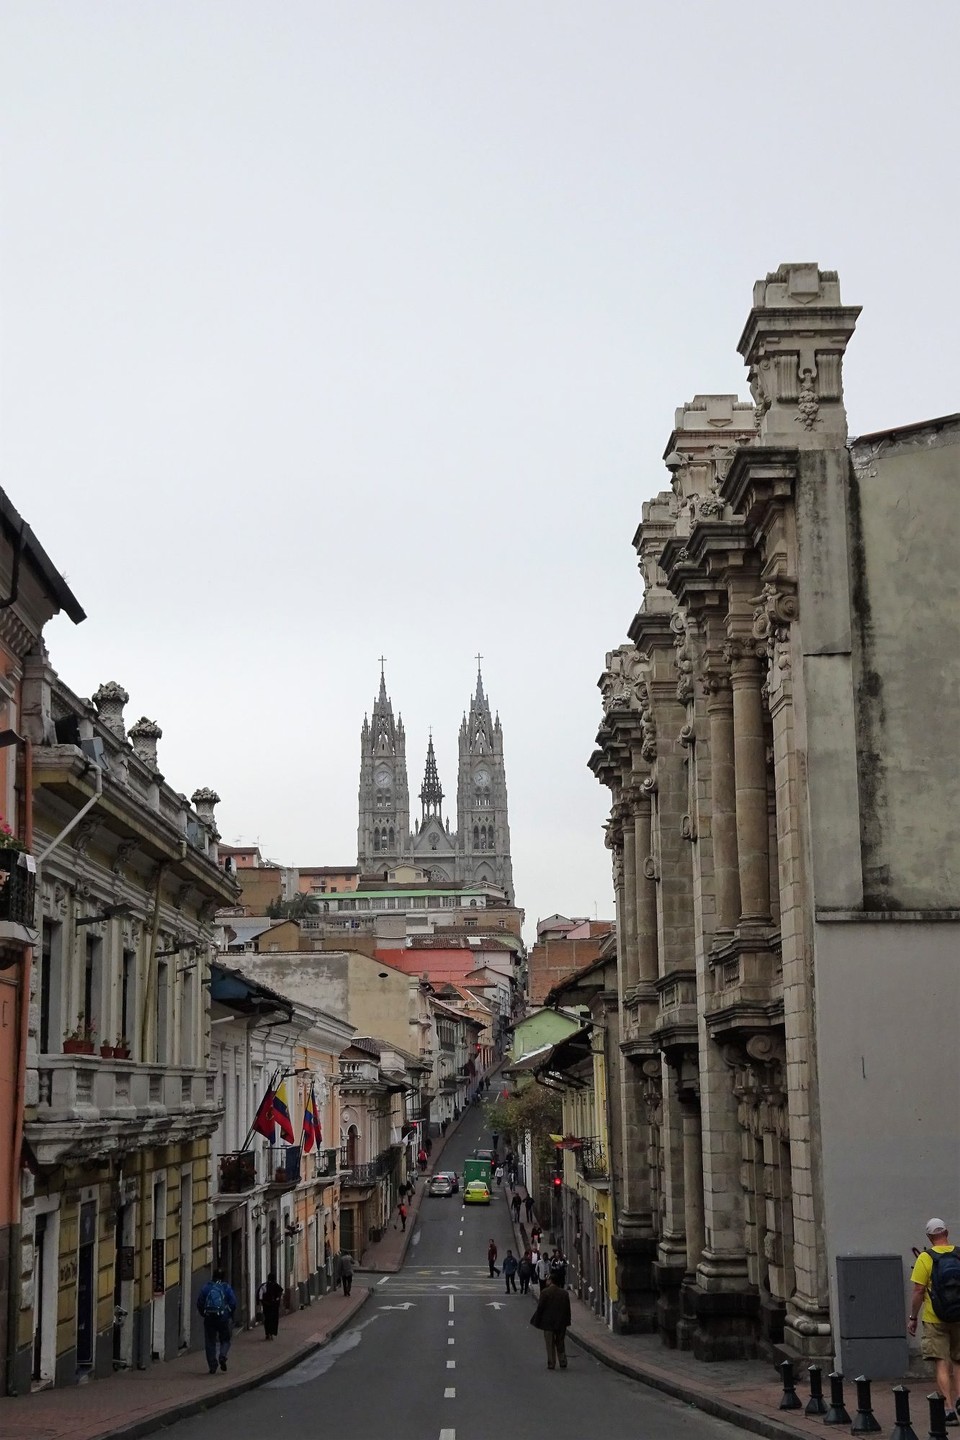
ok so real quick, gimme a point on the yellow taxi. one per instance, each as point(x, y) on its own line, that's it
point(476, 1193)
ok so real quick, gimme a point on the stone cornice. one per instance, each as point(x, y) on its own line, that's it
point(759, 475)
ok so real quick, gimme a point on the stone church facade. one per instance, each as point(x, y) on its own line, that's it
point(477, 852)
point(779, 739)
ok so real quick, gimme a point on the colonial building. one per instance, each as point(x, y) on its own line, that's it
point(120, 1103)
point(783, 830)
point(275, 1202)
point(478, 851)
point(33, 591)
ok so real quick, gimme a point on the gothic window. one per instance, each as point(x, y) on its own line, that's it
point(376, 838)
point(476, 837)
point(391, 837)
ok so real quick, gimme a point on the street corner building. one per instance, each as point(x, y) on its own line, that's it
point(779, 739)
point(120, 1105)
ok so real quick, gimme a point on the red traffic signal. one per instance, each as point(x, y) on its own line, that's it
point(557, 1181)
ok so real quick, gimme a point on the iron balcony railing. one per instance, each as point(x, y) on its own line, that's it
point(370, 1171)
point(591, 1161)
point(237, 1172)
point(18, 889)
point(283, 1166)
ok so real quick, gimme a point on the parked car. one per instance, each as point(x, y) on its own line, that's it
point(476, 1193)
point(441, 1184)
point(484, 1155)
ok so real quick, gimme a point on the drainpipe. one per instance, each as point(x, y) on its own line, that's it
point(16, 1156)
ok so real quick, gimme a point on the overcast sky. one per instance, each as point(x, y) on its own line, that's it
point(336, 330)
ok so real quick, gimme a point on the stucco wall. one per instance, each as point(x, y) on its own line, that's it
point(364, 992)
point(888, 1016)
point(906, 536)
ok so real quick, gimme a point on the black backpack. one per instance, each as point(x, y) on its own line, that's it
point(945, 1284)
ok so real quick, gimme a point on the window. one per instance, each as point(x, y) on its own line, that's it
point(128, 982)
point(51, 954)
point(90, 1000)
point(163, 1011)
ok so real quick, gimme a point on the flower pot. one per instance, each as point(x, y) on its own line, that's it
point(107, 1051)
point(77, 1047)
point(121, 1052)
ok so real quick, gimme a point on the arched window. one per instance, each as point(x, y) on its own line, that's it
point(376, 837)
point(476, 837)
point(391, 838)
point(353, 1144)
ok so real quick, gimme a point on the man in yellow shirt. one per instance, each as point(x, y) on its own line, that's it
point(940, 1340)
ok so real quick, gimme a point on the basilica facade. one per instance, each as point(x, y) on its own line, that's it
point(477, 852)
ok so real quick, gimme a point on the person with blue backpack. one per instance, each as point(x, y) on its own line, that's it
point(217, 1304)
point(936, 1300)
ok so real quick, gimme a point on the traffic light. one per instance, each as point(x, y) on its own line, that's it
point(557, 1181)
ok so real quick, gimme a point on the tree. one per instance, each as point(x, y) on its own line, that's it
point(535, 1108)
point(294, 909)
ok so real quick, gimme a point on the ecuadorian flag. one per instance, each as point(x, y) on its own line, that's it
point(311, 1124)
point(281, 1114)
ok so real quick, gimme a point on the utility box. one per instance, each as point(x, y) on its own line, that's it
point(871, 1302)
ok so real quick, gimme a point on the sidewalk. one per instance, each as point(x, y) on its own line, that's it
point(745, 1393)
point(134, 1403)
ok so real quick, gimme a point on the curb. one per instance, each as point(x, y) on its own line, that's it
point(149, 1424)
point(719, 1409)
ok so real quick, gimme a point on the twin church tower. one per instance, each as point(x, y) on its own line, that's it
point(478, 851)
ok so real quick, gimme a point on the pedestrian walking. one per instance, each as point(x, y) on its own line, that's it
point(346, 1271)
point(492, 1253)
point(510, 1267)
point(543, 1271)
point(217, 1304)
point(268, 1297)
point(515, 1207)
point(528, 1207)
point(552, 1316)
point(558, 1268)
point(499, 1174)
point(525, 1272)
point(536, 1235)
point(936, 1299)
point(402, 1213)
point(422, 1159)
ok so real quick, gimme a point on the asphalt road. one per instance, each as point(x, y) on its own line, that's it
point(441, 1352)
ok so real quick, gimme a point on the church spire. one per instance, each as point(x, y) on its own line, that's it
point(480, 699)
point(431, 795)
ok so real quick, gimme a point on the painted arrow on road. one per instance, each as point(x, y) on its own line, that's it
point(494, 1304)
point(408, 1306)
point(448, 1287)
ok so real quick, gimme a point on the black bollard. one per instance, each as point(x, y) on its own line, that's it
point(816, 1405)
point(790, 1399)
point(837, 1414)
point(864, 1422)
point(938, 1417)
point(902, 1429)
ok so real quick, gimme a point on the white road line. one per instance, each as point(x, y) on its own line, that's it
point(384, 1280)
point(451, 1364)
point(450, 1322)
point(450, 1340)
point(450, 1393)
point(450, 1306)
point(448, 1435)
point(459, 1248)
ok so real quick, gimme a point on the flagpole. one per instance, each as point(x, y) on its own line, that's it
point(270, 1087)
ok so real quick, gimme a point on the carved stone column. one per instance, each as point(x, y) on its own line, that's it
point(723, 809)
point(110, 700)
point(628, 918)
point(646, 889)
point(750, 767)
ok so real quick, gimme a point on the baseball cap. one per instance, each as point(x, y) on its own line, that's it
point(934, 1226)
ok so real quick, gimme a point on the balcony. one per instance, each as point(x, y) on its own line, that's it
point(18, 890)
point(327, 1164)
point(87, 1107)
point(238, 1172)
point(369, 1172)
point(282, 1167)
point(591, 1161)
point(359, 1072)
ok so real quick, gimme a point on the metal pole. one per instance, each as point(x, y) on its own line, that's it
point(837, 1414)
point(864, 1422)
point(816, 1405)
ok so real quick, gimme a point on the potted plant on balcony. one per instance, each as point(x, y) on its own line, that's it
point(121, 1048)
point(79, 1040)
point(107, 1051)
